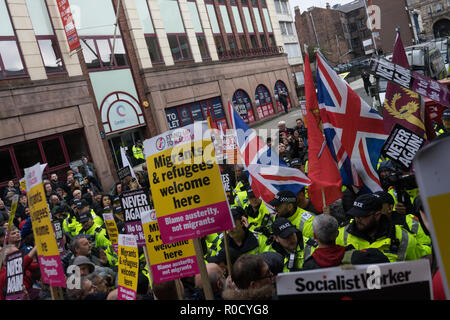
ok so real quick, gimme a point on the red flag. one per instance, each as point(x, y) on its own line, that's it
point(402, 106)
point(322, 168)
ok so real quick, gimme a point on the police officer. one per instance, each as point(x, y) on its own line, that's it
point(285, 204)
point(443, 130)
point(242, 239)
point(290, 243)
point(138, 152)
point(372, 229)
point(258, 216)
point(409, 221)
point(71, 225)
point(98, 235)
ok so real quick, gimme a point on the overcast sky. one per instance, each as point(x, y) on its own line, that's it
point(305, 4)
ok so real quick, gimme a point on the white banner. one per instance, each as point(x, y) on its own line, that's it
point(406, 280)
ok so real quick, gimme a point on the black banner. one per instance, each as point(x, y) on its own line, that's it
point(124, 172)
point(402, 145)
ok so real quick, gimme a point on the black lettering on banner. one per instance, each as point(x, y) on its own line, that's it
point(402, 145)
point(180, 165)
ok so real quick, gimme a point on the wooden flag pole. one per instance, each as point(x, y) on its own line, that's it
point(227, 252)
point(180, 292)
point(203, 272)
point(56, 293)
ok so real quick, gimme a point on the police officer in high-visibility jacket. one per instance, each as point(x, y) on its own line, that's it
point(257, 214)
point(242, 239)
point(291, 244)
point(409, 221)
point(443, 129)
point(370, 228)
point(285, 204)
point(138, 152)
point(98, 235)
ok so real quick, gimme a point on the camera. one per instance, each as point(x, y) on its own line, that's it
point(399, 181)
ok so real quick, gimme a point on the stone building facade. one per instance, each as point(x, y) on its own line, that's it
point(172, 62)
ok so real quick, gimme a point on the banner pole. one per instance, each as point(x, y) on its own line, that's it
point(202, 267)
point(227, 252)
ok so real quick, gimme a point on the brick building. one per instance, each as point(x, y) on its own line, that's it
point(171, 62)
point(322, 27)
point(392, 14)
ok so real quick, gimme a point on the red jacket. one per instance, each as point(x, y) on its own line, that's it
point(28, 267)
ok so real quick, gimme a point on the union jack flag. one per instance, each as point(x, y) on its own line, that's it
point(353, 130)
point(267, 176)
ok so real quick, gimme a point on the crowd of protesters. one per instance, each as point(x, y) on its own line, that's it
point(286, 235)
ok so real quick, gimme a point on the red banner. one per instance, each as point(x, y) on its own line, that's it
point(69, 25)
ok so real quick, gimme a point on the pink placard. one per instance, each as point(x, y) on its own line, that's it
point(195, 223)
point(176, 269)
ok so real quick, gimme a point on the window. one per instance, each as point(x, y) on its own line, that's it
point(253, 41)
point(272, 40)
point(203, 46)
point(97, 53)
point(11, 63)
point(179, 46)
point(284, 7)
point(8, 172)
point(153, 48)
point(149, 31)
point(219, 44)
point(45, 36)
point(263, 41)
point(243, 41)
point(286, 28)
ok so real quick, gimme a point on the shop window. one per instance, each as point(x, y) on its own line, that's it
point(243, 106)
point(263, 102)
point(7, 173)
point(54, 153)
point(75, 145)
point(27, 155)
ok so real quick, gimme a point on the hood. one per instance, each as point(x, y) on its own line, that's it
point(329, 257)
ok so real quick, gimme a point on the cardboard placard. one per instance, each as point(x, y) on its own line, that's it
point(402, 145)
point(186, 184)
point(387, 281)
point(168, 262)
point(134, 203)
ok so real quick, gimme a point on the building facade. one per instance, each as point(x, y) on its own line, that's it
point(323, 28)
point(430, 18)
point(391, 15)
point(290, 41)
point(144, 66)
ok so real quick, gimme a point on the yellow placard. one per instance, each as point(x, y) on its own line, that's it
point(111, 229)
point(168, 261)
point(40, 218)
point(159, 252)
point(184, 179)
point(52, 272)
point(439, 208)
point(128, 267)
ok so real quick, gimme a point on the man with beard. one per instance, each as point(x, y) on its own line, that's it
point(251, 280)
point(370, 228)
